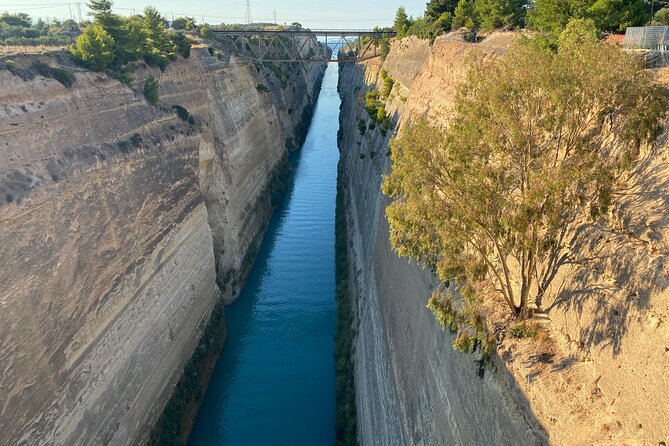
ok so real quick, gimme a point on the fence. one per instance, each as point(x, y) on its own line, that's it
point(647, 38)
point(19, 45)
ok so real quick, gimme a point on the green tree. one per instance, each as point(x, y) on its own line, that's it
point(19, 20)
point(182, 44)
point(537, 140)
point(402, 22)
point(95, 48)
point(435, 8)
point(388, 83)
point(187, 23)
point(661, 17)
point(206, 32)
point(151, 91)
point(616, 15)
point(577, 33)
point(494, 14)
point(551, 16)
point(160, 48)
point(464, 15)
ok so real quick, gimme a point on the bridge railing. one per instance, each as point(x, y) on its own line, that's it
point(301, 45)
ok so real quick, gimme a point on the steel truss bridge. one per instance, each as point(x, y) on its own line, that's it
point(304, 45)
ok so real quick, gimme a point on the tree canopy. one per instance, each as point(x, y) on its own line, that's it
point(402, 23)
point(608, 15)
point(95, 47)
point(132, 38)
point(537, 140)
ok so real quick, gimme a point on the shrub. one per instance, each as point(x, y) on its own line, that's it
point(63, 76)
point(384, 47)
point(151, 91)
point(183, 114)
point(372, 103)
point(206, 32)
point(388, 84)
point(123, 76)
point(362, 127)
point(522, 330)
point(94, 48)
point(262, 88)
point(136, 139)
point(182, 43)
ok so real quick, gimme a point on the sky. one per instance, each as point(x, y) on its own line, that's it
point(328, 14)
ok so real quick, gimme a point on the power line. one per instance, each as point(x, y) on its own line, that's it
point(249, 18)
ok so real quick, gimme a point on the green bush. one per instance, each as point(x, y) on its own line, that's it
point(262, 88)
point(388, 84)
point(523, 330)
point(113, 41)
point(151, 91)
point(136, 139)
point(372, 103)
point(63, 76)
point(95, 47)
point(206, 32)
point(182, 43)
point(183, 114)
point(362, 127)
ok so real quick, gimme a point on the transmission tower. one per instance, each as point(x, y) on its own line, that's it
point(249, 17)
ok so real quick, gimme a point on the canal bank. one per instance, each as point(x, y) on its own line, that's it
point(275, 380)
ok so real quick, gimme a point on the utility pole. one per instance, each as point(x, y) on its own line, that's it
point(249, 18)
point(652, 11)
point(79, 10)
point(275, 22)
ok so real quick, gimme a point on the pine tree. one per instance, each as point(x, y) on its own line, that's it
point(464, 15)
point(402, 23)
point(435, 8)
point(617, 15)
point(500, 13)
point(95, 47)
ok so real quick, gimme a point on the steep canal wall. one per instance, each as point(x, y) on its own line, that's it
point(596, 373)
point(411, 386)
point(109, 209)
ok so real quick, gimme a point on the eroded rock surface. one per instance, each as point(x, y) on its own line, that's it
point(109, 209)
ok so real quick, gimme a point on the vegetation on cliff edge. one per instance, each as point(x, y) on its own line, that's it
point(112, 41)
point(537, 141)
point(546, 16)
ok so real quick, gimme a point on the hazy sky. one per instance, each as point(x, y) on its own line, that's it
point(342, 14)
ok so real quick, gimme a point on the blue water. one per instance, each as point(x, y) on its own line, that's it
point(274, 383)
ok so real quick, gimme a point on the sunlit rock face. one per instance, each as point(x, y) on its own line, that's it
point(115, 219)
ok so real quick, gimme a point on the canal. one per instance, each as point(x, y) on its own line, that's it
point(274, 383)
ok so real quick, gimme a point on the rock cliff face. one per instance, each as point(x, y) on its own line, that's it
point(598, 376)
point(412, 388)
point(109, 209)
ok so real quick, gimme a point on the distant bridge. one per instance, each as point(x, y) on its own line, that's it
point(302, 45)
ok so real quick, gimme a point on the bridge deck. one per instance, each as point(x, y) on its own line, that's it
point(305, 32)
point(302, 45)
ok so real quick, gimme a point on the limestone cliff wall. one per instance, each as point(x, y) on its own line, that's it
point(599, 375)
point(412, 388)
point(115, 217)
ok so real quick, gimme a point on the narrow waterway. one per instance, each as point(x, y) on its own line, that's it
point(275, 381)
